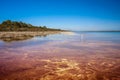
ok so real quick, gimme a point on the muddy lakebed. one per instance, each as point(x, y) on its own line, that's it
point(62, 56)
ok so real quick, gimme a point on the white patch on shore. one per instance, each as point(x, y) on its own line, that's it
point(68, 33)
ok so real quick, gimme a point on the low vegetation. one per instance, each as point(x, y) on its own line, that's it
point(9, 25)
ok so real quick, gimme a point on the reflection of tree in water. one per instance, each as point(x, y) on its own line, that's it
point(9, 39)
point(43, 35)
point(13, 37)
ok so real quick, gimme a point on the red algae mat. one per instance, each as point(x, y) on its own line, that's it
point(61, 60)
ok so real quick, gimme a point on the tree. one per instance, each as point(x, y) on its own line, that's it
point(9, 25)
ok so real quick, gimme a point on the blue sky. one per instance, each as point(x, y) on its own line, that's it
point(64, 14)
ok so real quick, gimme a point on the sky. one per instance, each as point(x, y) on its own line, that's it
point(80, 15)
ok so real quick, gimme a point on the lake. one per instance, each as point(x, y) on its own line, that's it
point(65, 56)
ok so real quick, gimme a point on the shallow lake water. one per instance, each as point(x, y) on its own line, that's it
point(65, 56)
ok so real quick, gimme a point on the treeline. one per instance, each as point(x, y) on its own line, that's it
point(9, 25)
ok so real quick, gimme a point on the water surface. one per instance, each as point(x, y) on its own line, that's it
point(78, 56)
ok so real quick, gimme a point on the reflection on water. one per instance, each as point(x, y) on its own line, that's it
point(82, 56)
point(14, 37)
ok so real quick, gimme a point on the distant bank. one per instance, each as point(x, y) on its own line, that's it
point(9, 25)
point(100, 31)
point(14, 31)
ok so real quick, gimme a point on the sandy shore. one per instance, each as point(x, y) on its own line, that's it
point(68, 33)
